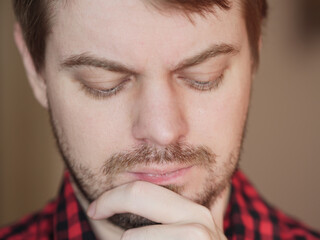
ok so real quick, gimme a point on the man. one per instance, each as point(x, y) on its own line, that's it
point(148, 100)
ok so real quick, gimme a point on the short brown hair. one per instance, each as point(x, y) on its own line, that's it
point(34, 17)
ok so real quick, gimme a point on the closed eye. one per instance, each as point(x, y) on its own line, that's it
point(103, 93)
point(203, 85)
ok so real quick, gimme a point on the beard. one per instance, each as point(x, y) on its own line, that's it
point(92, 184)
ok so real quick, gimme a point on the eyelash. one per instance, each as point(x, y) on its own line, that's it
point(204, 86)
point(101, 94)
point(197, 85)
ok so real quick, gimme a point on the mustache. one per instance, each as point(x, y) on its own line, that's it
point(179, 153)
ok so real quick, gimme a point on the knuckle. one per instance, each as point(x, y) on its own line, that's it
point(198, 231)
point(205, 211)
point(135, 191)
point(129, 234)
point(135, 188)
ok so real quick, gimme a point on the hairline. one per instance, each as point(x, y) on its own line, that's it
point(162, 6)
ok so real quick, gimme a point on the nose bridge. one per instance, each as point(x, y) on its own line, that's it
point(159, 116)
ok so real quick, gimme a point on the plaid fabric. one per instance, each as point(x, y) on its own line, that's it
point(61, 219)
point(248, 216)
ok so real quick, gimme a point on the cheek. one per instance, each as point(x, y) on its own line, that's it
point(86, 126)
point(218, 122)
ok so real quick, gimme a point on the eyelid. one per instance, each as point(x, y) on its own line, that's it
point(213, 78)
point(205, 85)
point(103, 93)
point(216, 64)
point(91, 79)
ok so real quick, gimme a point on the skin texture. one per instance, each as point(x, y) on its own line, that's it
point(158, 107)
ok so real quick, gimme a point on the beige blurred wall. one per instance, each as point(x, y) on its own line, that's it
point(30, 167)
point(282, 149)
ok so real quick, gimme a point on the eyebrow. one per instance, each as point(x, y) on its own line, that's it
point(86, 59)
point(211, 52)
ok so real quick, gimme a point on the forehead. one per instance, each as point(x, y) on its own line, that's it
point(133, 31)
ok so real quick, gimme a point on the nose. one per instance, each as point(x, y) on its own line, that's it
point(159, 115)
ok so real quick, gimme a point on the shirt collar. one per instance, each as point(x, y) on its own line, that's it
point(244, 215)
point(70, 221)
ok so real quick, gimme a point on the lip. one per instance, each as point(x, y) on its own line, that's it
point(160, 176)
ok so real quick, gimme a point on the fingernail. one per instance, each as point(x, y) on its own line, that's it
point(92, 209)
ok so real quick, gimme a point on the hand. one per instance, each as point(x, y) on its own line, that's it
point(180, 217)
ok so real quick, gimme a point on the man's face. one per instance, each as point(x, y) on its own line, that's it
point(138, 94)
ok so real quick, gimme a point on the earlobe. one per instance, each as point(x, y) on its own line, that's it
point(35, 79)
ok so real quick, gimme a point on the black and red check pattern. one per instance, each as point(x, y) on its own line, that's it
point(248, 216)
point(61, 219)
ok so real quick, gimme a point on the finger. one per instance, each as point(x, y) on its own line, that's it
point(150, 201)
point(189, 231)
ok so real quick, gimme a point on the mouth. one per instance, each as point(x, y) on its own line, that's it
point(161, 177)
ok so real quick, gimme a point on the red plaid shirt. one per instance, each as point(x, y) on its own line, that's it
point(248, 216)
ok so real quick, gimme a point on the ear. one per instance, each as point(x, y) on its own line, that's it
point(255, 65)
point(36, 80)
point(260, 43)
